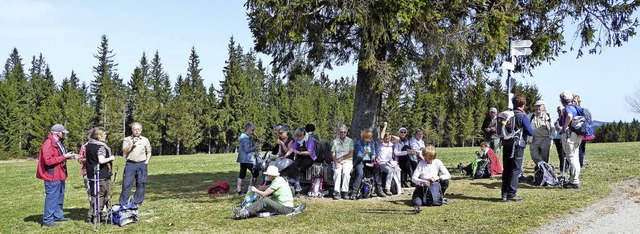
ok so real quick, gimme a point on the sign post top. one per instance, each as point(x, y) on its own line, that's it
point(521, 43)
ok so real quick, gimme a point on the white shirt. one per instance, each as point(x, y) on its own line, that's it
point(426, 171)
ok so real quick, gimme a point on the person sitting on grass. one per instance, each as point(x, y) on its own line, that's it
point(276, 199)
point(487, 152)
point(428, 172)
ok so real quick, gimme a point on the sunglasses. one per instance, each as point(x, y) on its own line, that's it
point(281, 132)
point(343, 132)
point(403, 132)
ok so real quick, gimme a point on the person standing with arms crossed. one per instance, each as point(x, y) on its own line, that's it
point(52, 168)
point(137, 152)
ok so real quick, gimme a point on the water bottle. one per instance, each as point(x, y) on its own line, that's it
point(264, 215)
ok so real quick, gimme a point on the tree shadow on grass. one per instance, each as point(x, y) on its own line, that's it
point(465, 197)
point(489, 185)
point(72, 213)
point(189, 186)
point(388, 211)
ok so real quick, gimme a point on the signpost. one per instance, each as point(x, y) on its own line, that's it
point(516, 48)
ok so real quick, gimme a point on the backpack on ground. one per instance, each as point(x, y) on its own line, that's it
point(433, 195)
point(123, 215)
point(316, 187)
point(481, 168)
point(545, 175)
point(367, 187)
point(582, 124)
point(218, 188)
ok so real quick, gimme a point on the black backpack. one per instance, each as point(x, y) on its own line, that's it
point(482, 169)
point(433, 195)
point(366, 188)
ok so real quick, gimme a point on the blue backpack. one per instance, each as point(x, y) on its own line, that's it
point(123, 215)
point(582, 124)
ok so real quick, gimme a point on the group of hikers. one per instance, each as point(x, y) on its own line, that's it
point(401, 160)
point(408, 161)
point(97, 171)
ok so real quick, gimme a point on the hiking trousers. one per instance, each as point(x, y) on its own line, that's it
point(512, 169)
point(539, 149)
point(571, 144)
point(271, 206)
point(342, 175)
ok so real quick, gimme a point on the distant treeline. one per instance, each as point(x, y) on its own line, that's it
point(618, 132)
point(186, 117)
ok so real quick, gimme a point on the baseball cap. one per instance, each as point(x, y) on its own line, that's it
point(59, 128)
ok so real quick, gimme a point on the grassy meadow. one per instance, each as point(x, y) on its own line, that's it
point(176, 201)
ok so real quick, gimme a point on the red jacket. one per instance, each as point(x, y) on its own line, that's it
point(51, 163)
point(496, 169)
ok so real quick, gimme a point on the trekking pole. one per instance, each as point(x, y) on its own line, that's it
point(115, 176)
point(96, 198)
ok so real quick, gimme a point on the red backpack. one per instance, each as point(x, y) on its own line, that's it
point(218, 188)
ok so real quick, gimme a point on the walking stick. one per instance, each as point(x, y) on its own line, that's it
point(108, 203)
point(96, 197)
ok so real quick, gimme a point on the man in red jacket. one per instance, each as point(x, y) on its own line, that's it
point(52, 168)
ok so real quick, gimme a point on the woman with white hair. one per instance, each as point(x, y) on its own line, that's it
point(570, 140)
point(305, 156)
point(342, 154)
point(402, 150)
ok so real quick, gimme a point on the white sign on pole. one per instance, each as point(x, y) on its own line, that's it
point(516, 51)
point(521, 43)
point(508, 66)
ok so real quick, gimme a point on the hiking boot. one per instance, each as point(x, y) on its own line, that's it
point(63, 220)
point(572, 186)
point(336, 196)
point(345, 195)
point(240, 213)
point(388, 193)
point(52, 224)
point(462, 172)
point(515, 199)
point(416, 210)
point(504, 198)
point(380, 193)
point(300, 208)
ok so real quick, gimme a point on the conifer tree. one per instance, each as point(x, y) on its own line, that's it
point(13, 108)
point(160, 92)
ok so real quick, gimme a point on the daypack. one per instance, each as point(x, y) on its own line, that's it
point(123, 215)
point(316, 187)
point(433, 195)
point(249, 199)
point(481, 168)
point(545, 175)
point(506, 128)
point(367, 187)
point(582, 124)
point(218, 188)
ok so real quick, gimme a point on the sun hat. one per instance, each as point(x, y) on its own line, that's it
point(272, 171)
point(539, 103)
point(493, 109)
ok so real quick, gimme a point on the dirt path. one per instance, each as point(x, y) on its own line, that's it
point(617, 213)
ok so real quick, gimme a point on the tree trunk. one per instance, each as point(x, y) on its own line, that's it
point(366, 104)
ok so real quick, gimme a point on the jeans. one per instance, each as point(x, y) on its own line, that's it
point(133, 172)
point(53, 201)
point(391, 172)
point(539, 149)
point(582, 148)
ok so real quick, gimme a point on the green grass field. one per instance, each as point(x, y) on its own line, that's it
point(176, 201)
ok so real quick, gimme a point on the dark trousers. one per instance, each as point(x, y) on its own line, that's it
point(407, 166)
point(53, 201)
point(102, 193)
point(361, 171)
point(300, 163)
point(581, 149)
point(418, 193)
point(561, 157)
point(133, 172)
point(244, 167)
point(512, 169)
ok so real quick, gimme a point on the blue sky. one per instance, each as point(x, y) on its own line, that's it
point(67, 33)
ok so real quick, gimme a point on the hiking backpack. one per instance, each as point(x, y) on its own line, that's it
point(506, 128)
point(316, 187)
point(545, 175)
point(123, 215)
point(432, 195)
point(367, 187)
point(582, 124)
point(481, 168)
point(218, 188)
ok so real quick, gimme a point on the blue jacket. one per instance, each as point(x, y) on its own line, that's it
point(245, 147)
point(360, 148)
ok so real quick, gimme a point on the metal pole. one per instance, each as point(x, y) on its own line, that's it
point(509, 76)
